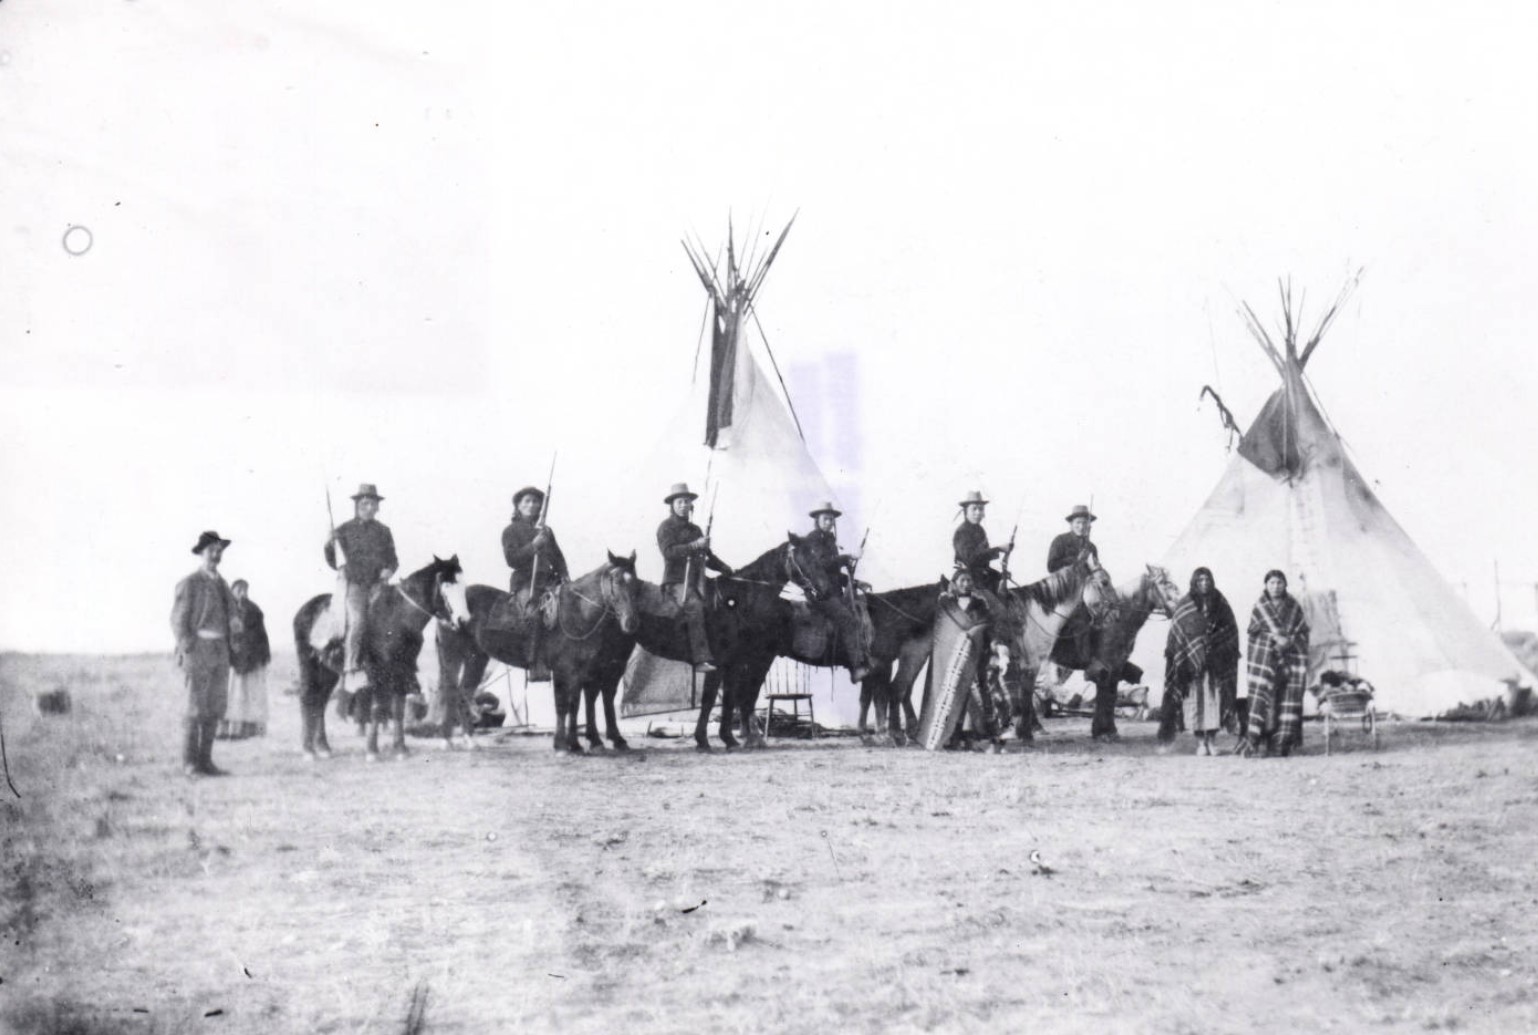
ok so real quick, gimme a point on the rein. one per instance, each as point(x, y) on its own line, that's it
point(400, 587)
point(604, 610)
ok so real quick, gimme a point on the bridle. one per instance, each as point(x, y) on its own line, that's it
point(400, 587)
point(605, 608)
point(795, 572)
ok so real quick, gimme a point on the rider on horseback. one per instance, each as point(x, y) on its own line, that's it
point(971, 543)
point(537, 565)
point(822, 543)
point(686, 554)
point(1076, 641)
point(366, 563)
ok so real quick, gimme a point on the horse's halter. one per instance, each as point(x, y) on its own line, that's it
point(437, 598)
point(605, 608)
point(795, 572)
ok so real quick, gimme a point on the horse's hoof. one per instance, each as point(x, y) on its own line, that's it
point(597, 746)
point(704, 748)
point(469, 743)
point(400, 754)
point(621, 744)
point(322, 753)
point(445, 745)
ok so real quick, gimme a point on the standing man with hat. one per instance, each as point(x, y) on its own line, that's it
point(201, 616)
point(1068, 547)
point(362, 551)
point(686, 554)
point(971, 543)
point(822, 541)
point(530, 549)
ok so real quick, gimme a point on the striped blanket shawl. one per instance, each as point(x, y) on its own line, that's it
point(1203, 640)
point(1277, 675)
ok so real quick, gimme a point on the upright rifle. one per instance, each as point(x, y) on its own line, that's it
point(544, 511)
point(339, 555)
point(855, 562)
point(1009, 550)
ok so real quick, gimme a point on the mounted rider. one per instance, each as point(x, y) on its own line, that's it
point(538, 565)
point(362, 551)
point(970, 543)
point(686, 554)
point(822, 545)
point(1069, 546)
point(1077, 638)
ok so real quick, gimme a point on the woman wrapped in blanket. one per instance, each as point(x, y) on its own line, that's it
point(1201, 670)
point(1277, 664)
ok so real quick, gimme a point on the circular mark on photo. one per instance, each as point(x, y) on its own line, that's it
point(78, 240)
point(5, 57)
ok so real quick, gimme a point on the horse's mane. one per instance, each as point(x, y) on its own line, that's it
point(1058, 586)
point(764, 567)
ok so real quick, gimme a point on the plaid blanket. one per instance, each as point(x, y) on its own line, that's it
point(1277, 675)
point(1203, 639)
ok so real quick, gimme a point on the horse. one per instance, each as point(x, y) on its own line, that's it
point(590, 614)
point(1028, 620)
point(748, 624)
point(392, 642)
point(1102, 654)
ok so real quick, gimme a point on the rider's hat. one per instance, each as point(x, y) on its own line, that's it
point(207, 539)
point(827, 507)
point(970, 498)
point(367, 491)
point(679, 489)
point(1080, 511)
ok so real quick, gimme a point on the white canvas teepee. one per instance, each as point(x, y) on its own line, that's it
point(737, 443)
point(1293, 499)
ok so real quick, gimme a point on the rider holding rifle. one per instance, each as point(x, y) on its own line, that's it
point(363, 552)
point(970, 543)
point(537, 563)
point(686, 554)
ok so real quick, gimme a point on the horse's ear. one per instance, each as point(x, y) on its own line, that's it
point(454, 560)
point(791, 537)
point(613, 560)
point(437, 559)
point(632, 558)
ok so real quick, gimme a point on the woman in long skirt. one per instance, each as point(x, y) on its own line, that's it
point(250, 653)
point(1201, 664)
point(1277, 663)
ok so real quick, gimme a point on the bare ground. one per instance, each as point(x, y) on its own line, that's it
point(813, 887)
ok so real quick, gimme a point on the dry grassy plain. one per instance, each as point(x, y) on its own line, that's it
point(836, 887)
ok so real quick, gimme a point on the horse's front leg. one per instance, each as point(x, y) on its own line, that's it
point(590, 700)
point(611, 724)
point(567, 703)
point(369, 702)
point(702, 722)
point(745, 693)
point(1103, 726)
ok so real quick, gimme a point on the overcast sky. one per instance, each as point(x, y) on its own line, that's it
point(428, 245)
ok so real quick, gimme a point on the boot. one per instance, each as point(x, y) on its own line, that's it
point(206, 749)
point(190, 737)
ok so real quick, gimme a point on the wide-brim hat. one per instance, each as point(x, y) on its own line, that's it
point(972, 497)
point(367, 491)
point(679, 489)
point(207, 539)
point(528, 490)
point(827, 507)
point(1080, 511)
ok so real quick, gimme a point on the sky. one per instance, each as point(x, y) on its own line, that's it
point(430, 247)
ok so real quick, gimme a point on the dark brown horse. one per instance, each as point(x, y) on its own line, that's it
point(391, 645)
point(591, 614)
point(749, 624)
point(1103, 650)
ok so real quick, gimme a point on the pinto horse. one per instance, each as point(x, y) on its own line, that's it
point(591, 614)
point(1103, 652)
point(392, 642)
point(748, 624)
